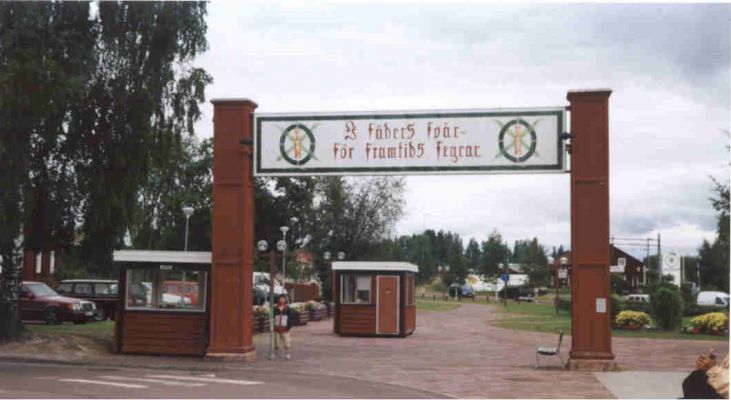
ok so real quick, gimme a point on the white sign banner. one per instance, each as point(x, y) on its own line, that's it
point(616, 269)
point(413, 142)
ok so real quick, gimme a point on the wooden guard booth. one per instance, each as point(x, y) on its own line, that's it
point(374, 298)
point(163, 302)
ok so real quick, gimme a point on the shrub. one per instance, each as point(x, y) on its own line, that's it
point(313, 306)
point(297, 308)
point(627, 317)
point(616, 306)
point(667, 307)
point(714, 322)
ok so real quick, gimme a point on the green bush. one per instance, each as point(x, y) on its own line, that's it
point(667, 308)
point(616, 306)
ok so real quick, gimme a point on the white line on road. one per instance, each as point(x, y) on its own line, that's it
point(124, 385)
point(210, 380)
point(148, 380)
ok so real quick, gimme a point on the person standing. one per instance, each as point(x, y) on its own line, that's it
point(282, 325)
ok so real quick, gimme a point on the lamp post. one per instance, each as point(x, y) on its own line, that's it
point(327, 256)
point(262, 246)
point(561, 273)
point(188, 211)
point(284, 230)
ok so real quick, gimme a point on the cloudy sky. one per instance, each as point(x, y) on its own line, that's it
point(668, 67)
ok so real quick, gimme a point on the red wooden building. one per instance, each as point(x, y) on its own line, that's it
point(635, 272)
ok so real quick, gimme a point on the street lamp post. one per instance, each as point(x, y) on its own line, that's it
point(561, 273)
point(284, 230)
point(327, 256)
point(188, 211)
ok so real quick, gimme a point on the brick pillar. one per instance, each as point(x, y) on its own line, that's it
point(232, 230)
point(591, 334)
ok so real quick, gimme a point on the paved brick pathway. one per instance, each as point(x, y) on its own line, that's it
point(459, 353)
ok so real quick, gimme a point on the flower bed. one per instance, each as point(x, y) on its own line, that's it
point(316, 310)
point(632, 320)
point(714, 323)
point(300, 316)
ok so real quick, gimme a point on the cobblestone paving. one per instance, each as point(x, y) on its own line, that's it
point(459, 353)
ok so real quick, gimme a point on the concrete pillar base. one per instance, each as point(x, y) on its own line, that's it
point(580, 364)
point(249, 356)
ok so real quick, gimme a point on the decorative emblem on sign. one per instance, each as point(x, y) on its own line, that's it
point(297, 144)
point(672, 260)
point(517, 140)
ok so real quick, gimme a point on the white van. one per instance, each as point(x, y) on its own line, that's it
point(718, 299)
point(638, 298)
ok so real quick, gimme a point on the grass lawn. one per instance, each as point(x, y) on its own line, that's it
point(429, 305)
point(542, 318)
point(94, 330)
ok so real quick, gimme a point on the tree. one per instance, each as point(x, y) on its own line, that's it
point(532, 255)
point(90, 95)
point(42, 70)
point(494, 252)
point(473, 254)
point(713, 258)
point(667, 307)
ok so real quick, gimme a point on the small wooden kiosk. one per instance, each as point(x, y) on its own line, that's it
point(374, 298)
point(163, 302)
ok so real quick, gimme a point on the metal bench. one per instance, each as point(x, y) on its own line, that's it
point(551, 351)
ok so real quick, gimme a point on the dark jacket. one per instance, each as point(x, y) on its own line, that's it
point(287, 311)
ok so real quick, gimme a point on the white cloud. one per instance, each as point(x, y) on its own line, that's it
point(667, 64)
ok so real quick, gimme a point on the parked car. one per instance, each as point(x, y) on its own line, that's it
point(38, 302)
point(186, 289)
point(456, 290)
point(104, 293)
point(717, 299)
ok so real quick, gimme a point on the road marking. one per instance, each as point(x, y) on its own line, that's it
point(124, 385)
point(209, 380)
point(148, 380)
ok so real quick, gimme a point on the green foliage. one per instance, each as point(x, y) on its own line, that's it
point(667, 308)
point(494, 252)
point(616, 306)
point(619, 285)
point(713, 258)
point(532, 255)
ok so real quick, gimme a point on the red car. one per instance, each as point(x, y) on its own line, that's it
point(182, 289)
point(38, 302)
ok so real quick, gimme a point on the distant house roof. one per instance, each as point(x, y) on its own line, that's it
point(374, 266)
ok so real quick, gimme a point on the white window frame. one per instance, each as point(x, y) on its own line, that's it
point(356, 276)
point(154, 307)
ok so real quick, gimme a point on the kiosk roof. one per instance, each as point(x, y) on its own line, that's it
point(156, 256)
point(374, 266)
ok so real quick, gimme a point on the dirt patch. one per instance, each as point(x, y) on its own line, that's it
point(67, 346)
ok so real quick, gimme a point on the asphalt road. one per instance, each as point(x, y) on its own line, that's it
point(28, 380)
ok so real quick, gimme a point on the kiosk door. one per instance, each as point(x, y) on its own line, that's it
point(388, 305)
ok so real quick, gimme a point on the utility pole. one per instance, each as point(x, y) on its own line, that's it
point(659, 257)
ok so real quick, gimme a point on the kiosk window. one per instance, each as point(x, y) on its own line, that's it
point(356, 289)
point(167, 288)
